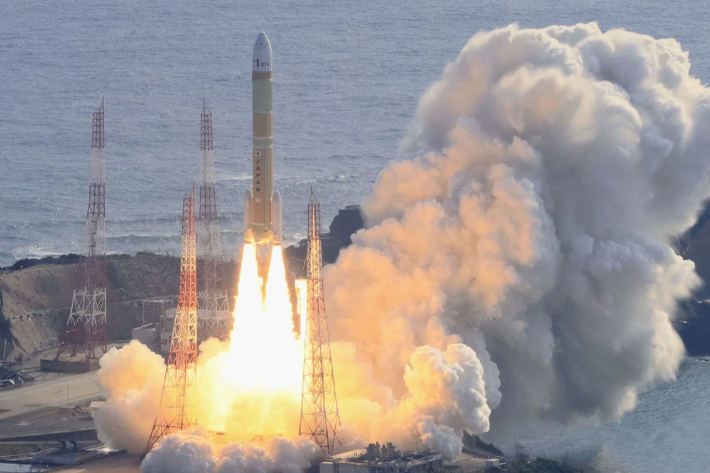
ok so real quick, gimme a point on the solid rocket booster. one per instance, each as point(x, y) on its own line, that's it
point(263, 217)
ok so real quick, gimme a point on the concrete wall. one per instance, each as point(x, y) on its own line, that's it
point(66, 366)
point(148, 336)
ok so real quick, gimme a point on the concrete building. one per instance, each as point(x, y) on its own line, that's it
point(167, 321)
point(95, 406)
point(148, 335)
point(158, 335)
point(383, 459)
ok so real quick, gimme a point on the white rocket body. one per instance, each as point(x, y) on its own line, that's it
point(276, 215)
point(248, 199)
point(262, 221)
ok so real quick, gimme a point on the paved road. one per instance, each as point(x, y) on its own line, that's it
point(48, 407)
point(50, 389)
point(65, 391)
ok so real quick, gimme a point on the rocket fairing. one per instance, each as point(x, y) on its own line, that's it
point(262, 207)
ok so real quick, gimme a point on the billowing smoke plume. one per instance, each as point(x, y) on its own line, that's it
point(516, 264)
point(520, 246)
point(193, 451)
point(133, 380)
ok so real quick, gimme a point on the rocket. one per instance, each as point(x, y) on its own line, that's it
point(262, 206)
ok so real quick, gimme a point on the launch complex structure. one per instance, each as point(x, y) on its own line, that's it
point(213, 315)
point(319, 420)
point(87, 327)
point(181, 369)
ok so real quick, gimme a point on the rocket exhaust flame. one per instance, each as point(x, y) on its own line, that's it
point(263, 327)
point(257, 380)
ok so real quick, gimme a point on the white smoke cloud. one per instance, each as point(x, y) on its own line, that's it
point(525, 228)
point(133, 380)
point(445, 395)
point(516, 263)
point(189, 451)
point(192, 451)
point(440, 438)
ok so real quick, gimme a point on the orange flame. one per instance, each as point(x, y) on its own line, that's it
point(254, 388)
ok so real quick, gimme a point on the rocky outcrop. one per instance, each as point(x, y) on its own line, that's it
point(693, 323)
point(25, 263)
point(36, 301)
point(347, 222)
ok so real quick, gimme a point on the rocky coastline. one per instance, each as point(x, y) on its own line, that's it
point(35, 293)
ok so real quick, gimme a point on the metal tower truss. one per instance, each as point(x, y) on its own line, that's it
point(212, 304)
point(320, 420)
point(86, 327)
point(181, 370)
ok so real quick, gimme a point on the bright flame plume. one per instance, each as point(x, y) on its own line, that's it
point(255, 387)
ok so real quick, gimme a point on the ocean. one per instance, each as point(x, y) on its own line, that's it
point(666, 433)
point(348, 76)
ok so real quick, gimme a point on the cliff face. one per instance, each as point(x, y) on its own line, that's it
point(35, 302)
point(35, 295)
point(347, 222)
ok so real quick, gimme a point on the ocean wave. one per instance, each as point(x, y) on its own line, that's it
point(40, 250)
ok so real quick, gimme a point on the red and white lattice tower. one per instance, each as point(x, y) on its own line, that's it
point(213, 314)
point(320, 421)
point(86, 326)
point(181, 370)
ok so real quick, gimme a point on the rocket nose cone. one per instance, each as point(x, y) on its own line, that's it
point(261, 59)
point(277, 196)
point(262, 38)
point(248, 195)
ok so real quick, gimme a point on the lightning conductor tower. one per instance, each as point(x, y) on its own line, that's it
point(320, 421)
point(212, 306)
point(86, 326)
point(181, 370)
